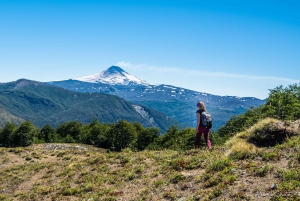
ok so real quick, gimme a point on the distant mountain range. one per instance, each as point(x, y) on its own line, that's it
point(43, 104)
point(176, 102)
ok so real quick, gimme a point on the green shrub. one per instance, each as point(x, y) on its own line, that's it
point(220, 164)
point(177, 177)
point(215, 193)
point(263, 171)
point(270, 156)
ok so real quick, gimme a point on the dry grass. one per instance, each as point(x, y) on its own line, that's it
point(80, 172)
point(265, 133)
point(241, 149)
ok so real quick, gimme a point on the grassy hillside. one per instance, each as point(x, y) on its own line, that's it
point(45, 104)
point(247, 167)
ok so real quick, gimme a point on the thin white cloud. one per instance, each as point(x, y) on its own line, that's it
point(187, 72)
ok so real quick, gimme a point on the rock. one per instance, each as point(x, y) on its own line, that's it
point(273, 186)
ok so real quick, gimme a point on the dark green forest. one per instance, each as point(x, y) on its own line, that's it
point(43, 104)
point(283, 103)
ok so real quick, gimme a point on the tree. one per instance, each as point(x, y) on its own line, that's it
point(100, 133)
point(146, 137)
point(169, 137)
point(122, 135)
point(23, 135)
point(47, 134)
point(284, 103)
point(6, 134)
point(70, 130)
point(174, 139)
point(95, 133)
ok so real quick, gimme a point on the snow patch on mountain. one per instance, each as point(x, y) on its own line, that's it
point(113, 76)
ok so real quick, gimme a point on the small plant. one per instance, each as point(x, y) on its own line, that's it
point(263, 171)
point(4, 198)
point(61, 154)
point(240, 195)
point(215, 193)
point(107, 192)
point(230, 179)
point(88, 187)
point(219, 164)
point(169, 194)
point(130, 176)
point(27, 158)
point(177, 177)
point(44, 190)
point(157, 183)
point(18, 150)
point(70, 191)
point(270, 156)
point(194, 163)
point(214, 180)
point(97, 160)
point(124, 160)
point(4, 159)
point(68, 157)
point(154, 174)
point(177, 164)
point(144, 193)
point(36, 155)
point(198, 179)
point(138, 170)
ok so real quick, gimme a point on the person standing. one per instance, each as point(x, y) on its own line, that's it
point(200, 129)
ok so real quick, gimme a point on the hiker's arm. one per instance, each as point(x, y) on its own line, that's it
point(198, 122)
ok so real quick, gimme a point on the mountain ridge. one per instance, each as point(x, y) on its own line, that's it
point(156, 97)
point(44, 104)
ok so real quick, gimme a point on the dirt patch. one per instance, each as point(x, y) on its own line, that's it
point(27, 185)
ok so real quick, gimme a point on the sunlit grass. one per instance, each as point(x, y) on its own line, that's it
point(241, 149)
point(151, 175)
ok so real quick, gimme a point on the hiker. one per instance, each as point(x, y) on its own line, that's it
point(201, 129)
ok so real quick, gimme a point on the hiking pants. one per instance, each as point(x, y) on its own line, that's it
point(206, 137)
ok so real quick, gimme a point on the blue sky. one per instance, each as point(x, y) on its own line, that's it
point(239, 48)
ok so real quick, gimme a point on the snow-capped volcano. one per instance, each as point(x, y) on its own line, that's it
point(114, 76)
point(174, 101)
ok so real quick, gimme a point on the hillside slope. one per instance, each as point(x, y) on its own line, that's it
point(79, 172)
point(45, 104)
point(6, 117)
